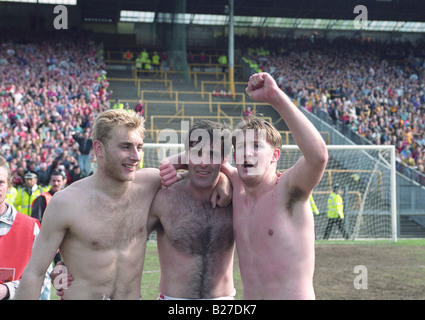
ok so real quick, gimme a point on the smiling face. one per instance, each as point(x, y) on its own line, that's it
point(207, 145)
point(121, 155)
point(203, 166)
point(117, 142)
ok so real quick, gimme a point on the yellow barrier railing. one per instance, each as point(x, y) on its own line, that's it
point(217, 74)
point(210, 101)
point(179, 105)
point(153, 72)
point(167, 84)
point(225, 84)
point(286, 134)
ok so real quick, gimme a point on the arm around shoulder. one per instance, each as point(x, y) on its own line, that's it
point(231, 172)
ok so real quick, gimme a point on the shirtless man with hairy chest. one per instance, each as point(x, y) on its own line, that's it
point(195, 245)
point(195, 241)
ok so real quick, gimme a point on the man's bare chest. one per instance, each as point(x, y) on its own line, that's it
point(106, 224)
point(198, 229)
point(262, 218)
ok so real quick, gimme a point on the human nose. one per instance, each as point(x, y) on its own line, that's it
point(136, 154)
point(204, 159)
point(249, 150)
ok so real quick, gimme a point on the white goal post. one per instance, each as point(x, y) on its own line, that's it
point(365, 173)
point(367, 177)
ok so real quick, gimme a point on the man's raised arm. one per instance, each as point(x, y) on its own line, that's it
point(309, 169)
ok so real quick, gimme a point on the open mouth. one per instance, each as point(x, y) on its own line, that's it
point(203, 173)
point(247, 165)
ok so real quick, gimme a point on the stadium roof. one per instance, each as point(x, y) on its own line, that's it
point(270, 22)
point(382, 15)
point(390, 10)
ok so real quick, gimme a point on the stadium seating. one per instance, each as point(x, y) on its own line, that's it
point(371, 88)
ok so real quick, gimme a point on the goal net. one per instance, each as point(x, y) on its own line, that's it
point(366, 177)
point(365, 174)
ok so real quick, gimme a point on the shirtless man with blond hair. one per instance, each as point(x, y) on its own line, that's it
point(99, 223)
point(272, 220)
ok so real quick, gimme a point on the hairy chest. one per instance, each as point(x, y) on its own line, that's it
point(197, 228)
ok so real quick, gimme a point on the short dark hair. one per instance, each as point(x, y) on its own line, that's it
point(215, 131)
point(58, 173)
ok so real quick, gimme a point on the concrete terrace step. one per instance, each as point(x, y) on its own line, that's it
point(159, 101)
point(410, 227)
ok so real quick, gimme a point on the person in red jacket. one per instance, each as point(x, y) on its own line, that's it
point(17, 235)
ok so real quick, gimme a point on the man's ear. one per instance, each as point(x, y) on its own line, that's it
point(276, 155)
point(98, 149)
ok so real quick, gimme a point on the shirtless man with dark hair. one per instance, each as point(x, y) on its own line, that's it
point(195, 242)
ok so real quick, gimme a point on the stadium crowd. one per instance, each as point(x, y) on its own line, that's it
point(374, 88)
point(51, 89)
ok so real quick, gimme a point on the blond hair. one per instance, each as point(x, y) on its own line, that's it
point(112, 119)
